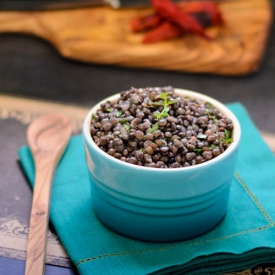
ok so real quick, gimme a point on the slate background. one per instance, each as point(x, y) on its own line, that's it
point(31, 67)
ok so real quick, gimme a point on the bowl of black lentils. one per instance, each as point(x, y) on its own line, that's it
point(160, 162)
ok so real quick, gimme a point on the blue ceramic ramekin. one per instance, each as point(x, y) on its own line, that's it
point(160, 205)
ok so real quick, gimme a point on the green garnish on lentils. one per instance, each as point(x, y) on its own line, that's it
point(164, 103)
point(155, 127)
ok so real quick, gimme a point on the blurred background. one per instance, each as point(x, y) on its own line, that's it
point(33, 67)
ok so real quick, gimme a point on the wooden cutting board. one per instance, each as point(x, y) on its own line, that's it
point(102, 35)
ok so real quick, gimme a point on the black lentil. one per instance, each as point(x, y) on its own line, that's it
point(139, 129)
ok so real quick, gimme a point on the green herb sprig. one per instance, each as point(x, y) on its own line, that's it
point(165, 103)
point(127, 128)
point(198, 150)
point(118, 113)
point(228, 137)
point(123, 121)
point(209, 105)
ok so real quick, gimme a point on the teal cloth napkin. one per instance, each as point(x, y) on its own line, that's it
point(243, 239)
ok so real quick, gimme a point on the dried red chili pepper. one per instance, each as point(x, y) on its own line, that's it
point(168, 30)
point(144, 23)
point(206, 13)
point(203, 7)
point(164, 31)
point(169, 11)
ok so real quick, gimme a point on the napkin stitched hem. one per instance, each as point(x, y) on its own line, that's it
point(252, 230)
point(242, 239)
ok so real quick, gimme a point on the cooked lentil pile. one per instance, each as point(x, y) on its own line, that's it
point(155, 127)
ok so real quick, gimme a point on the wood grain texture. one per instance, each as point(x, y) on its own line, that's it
point(102, 35)
point(48, 137)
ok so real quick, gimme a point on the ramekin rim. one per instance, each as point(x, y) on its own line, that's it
point(219, 105)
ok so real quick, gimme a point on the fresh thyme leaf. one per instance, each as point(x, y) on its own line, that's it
point(212, 146)
point(154, 128)
point(165, 111)
point(158, 116)
point(228, 137)
point(209, 105)
point(123, 121)
point(228, 134)
point(109, 110)
point(163, 96)
point(215, 119)
point(171, 102)
point(158, 103)
point(197, 150)
point(127, 128)
point(228, 141)
point(118, 113)
point(93, 116)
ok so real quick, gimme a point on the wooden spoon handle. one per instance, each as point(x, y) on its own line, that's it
point(37, 240)
point(48, 137)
